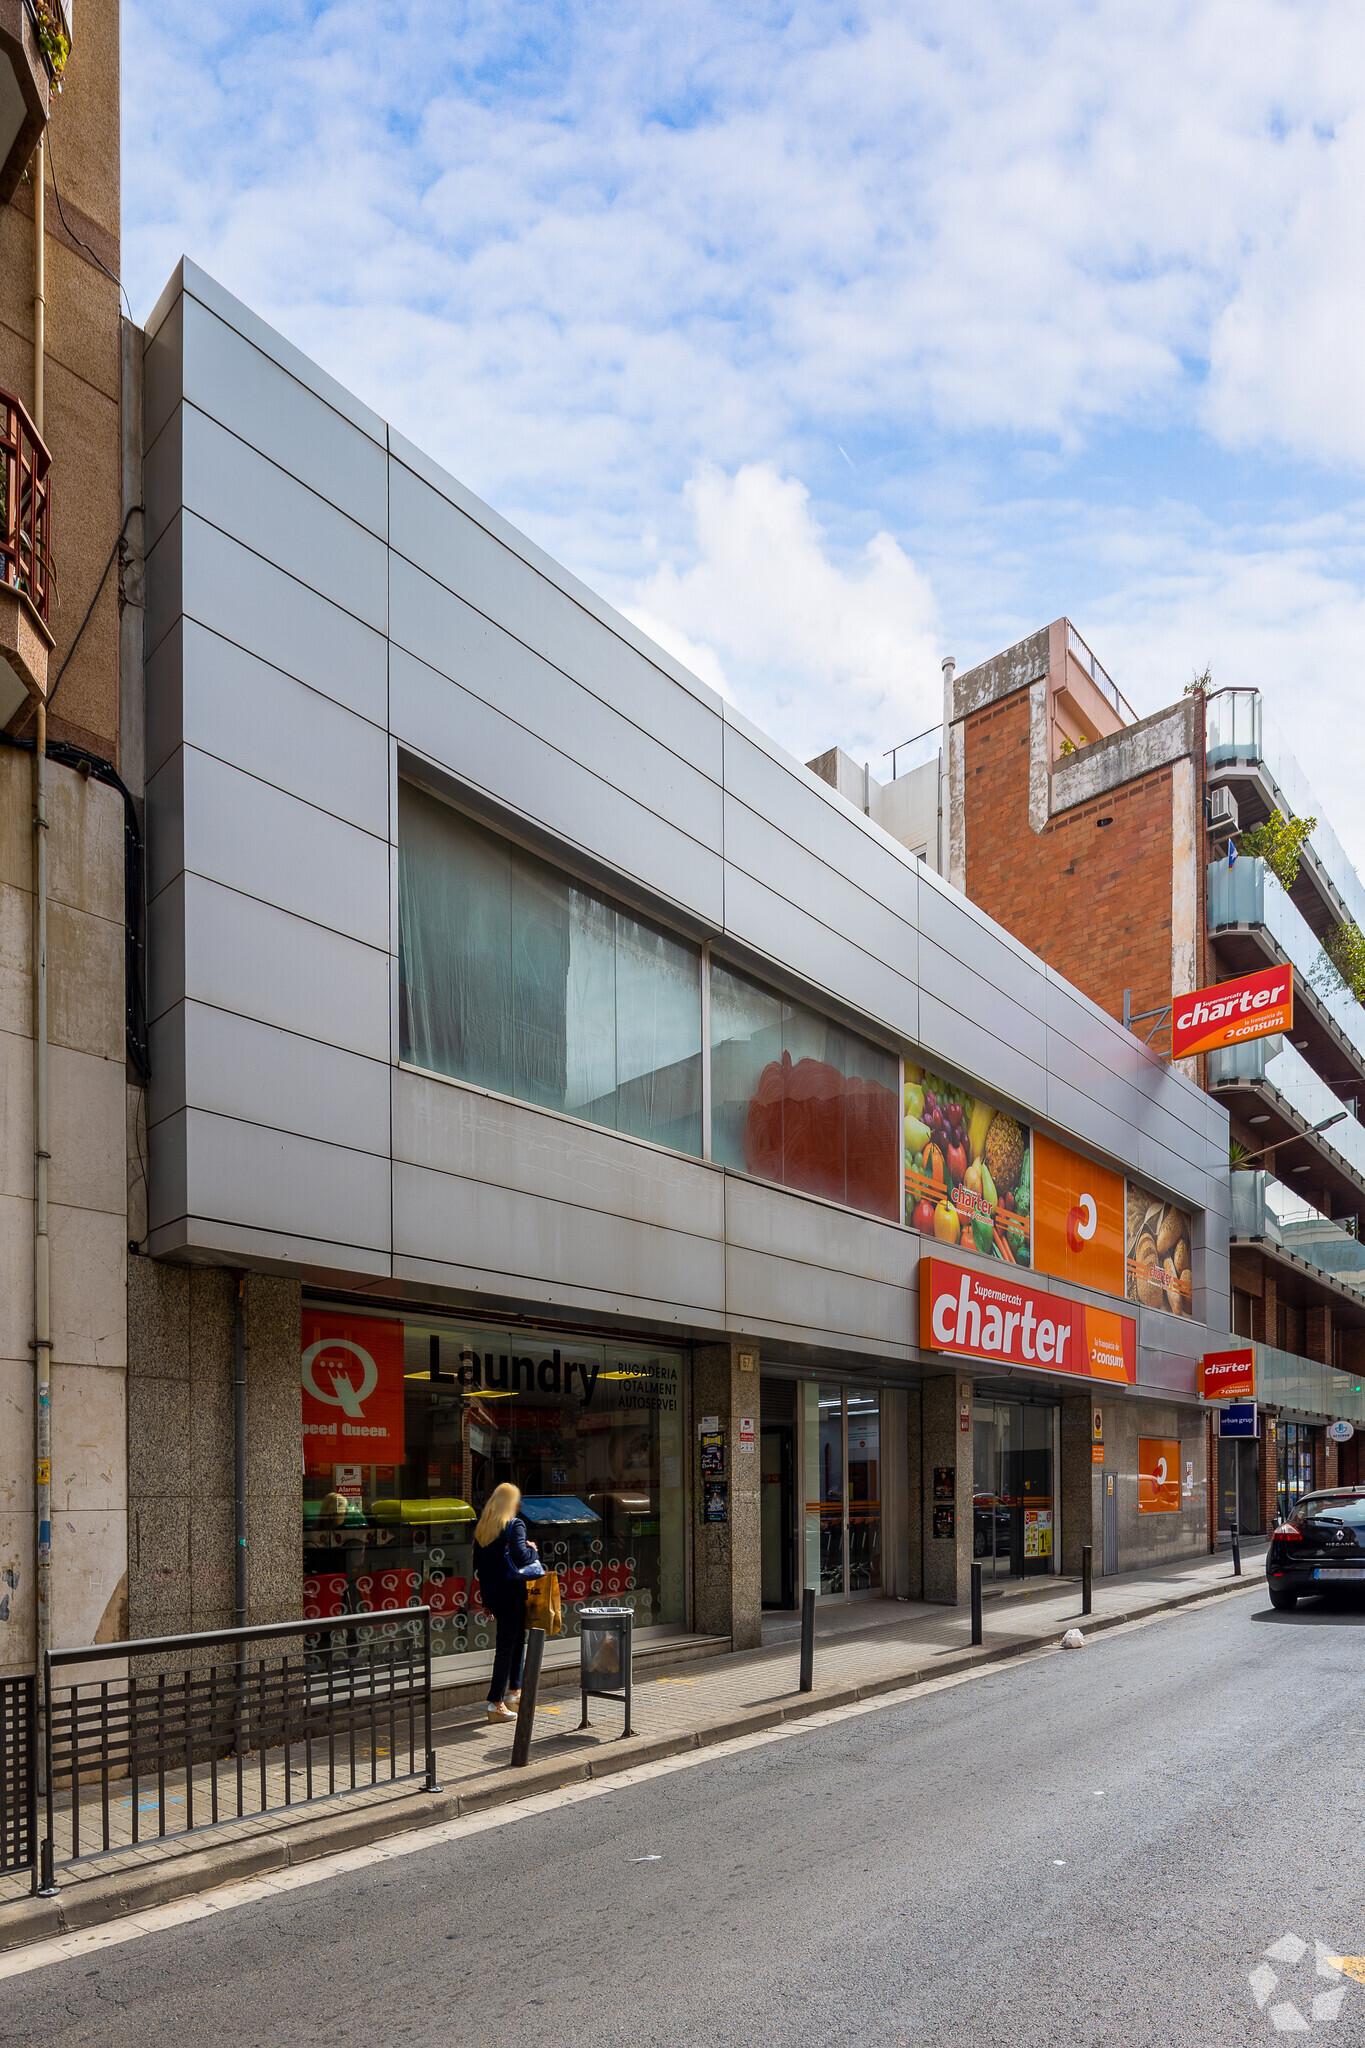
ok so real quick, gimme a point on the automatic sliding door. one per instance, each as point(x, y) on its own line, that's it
point(864, 1492)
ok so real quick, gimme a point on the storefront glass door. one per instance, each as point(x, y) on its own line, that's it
point(1295, 1463)
point(1013, 1506)
point(842, 1472)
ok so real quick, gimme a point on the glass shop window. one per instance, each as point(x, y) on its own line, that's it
point(408, 1425)
point(799, 1100)
point(516, 977)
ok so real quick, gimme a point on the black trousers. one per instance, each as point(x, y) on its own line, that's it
point(510, 1616)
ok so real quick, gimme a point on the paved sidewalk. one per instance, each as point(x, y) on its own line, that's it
point(861, 1650)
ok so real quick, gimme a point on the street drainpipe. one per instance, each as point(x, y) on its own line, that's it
point(239, 1448)
point(42, 1270)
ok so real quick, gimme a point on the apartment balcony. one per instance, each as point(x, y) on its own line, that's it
point(1319, 1393)
point(1272, 1088)
point(1317, 1261)
point(25, 559)
point(34, 38)
point(1254, 924)
point(1246, 748)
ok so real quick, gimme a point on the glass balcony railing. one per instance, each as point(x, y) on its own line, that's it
point(1284, 1380)
point(1259, 1063)
point(1264, 1207)
point(1238, 730)
point(1247, 893)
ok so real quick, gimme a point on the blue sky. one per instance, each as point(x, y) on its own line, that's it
point(827, 340)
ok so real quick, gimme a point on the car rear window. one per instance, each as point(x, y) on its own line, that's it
point(1347, 1512)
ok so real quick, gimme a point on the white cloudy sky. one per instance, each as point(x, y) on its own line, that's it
point(829, 339)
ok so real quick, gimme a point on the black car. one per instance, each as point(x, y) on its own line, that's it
point(1320, 1549)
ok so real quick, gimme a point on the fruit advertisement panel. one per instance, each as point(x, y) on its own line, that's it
point(1159, 1259)
point(968, 1168)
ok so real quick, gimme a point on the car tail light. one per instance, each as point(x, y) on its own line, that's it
point(1287, 1533)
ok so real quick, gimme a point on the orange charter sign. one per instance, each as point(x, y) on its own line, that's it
point(983, 1315)
point(1254, 1007)
point(1228, 1375)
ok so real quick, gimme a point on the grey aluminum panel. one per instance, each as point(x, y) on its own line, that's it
point(1168, 1170)
point(248, 392)
point(165, 584)
point(166, 949)
point(755, 845)
point(965, 1046)
point(1077, 1115)
point(167, 1171)
point(199, 285)
point(251, 602)
point(270, 1180)
point(452, 638)
point(462, 554)
point(436, 718)
point(773, 1220)
point(259, 1074)
point(482, 1137)
point(226, 702)
point(813, 818)
point(777, 930)
point(166, 1041)
point(269, 1251)
point(253, 837)
point(959, 985)
point(163, 477)
point(275, 516)
point(532, 1240)
point(165, 800)
point(985, 951)
point(162, 373)
point(433, 1280)
point(815, 1304)
point(244, 955)
point(1113, 1101)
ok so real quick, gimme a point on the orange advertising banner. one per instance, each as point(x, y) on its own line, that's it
point(1254, 1007)
point(986, 1315)
point(1228, 1375)
point(1158, 1475)
point(1077, 1218)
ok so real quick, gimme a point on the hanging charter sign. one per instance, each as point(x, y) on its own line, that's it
point(1228, 1375)
point(1257, 1006)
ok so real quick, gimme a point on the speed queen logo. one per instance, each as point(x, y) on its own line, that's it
point(1254, 1007)
point(352, 1391)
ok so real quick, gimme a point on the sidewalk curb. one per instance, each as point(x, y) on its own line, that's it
point(24, 1921)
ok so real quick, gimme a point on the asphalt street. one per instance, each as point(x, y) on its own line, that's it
point(1089, 1847)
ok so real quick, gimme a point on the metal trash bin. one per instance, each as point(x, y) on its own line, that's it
point(604, 1657)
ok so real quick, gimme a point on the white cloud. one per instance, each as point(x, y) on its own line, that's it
point(817, 652)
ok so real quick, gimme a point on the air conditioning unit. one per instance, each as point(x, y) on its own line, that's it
point(1222, 809)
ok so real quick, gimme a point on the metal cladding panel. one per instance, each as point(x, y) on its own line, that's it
point(230, 704)
point(234, 592)
point(966, 1046)
point(167, 1171)
point(1168, 1170)
point(449, 636)
point(775, 1221)
point(531, 1240)
point(247, 956)
point(809, 816)
point(779, 930)
point(1080, 1116)
point(240, 1173)
point(163, 476)
point(256, 838)
point(165, 583)
point(1156, 1121)
point(492, 753)
point(163, 373)
point(482, 1137)
point(165, 799)
point(495, 579)
point(274, 515)
point(815, 1304)
point(1115, 1099)
point(166, 949)
point(235, 1067)
point(1111, 1055)
point(960, 986)
point(758, 847)
point(961, 933)
point(248, 392)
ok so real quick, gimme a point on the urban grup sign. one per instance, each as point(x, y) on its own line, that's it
point(1228, 1375)
point(984, 1315)
point(1254, 1007)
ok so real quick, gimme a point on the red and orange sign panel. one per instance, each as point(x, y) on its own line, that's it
point(1228, 1375)
point(1077, 1218)
point(984, 1315)
point(1158, 1475)
point(1254, 1007)
point(352, 1390)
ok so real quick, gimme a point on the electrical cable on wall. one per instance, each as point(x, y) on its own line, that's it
point(90, 612)
point(80, 244)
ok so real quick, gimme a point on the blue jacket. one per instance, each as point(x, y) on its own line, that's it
point(504, 1564)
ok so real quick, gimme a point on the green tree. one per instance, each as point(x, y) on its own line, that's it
point(1277, 843)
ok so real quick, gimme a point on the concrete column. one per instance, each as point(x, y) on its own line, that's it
point(727, 1557)
point(914, 1501)
point(1080, 1487)
point(1317, 1334)
point(1269, 1470)
point(946, 1463)
point(1265, 1321)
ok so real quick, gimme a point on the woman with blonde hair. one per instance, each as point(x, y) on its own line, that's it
point(504, 1560)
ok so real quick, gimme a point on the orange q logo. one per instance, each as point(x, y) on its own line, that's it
point(1081, 1222)
point(1077, 1217)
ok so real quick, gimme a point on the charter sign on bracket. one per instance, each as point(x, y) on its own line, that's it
point(1257, 1006)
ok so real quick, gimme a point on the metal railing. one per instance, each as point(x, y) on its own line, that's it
point(1248, 894)
point(25, 506)
point(150, 1753)
point(1275, 1065)
point(18, 1773)
point(1099, 675)
point(1265, 1210)
point(925, 755)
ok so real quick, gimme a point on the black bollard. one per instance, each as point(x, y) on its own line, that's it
point(1087, 1578)
point(526, 1705)
point(1236, 1553)
point(976, 1602)
point(808, 1640)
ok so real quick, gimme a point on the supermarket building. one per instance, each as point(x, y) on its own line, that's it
point(553, 1080)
